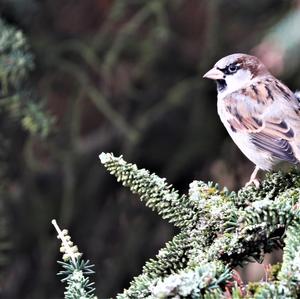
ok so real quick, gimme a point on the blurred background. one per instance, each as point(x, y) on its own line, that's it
point(122, 76)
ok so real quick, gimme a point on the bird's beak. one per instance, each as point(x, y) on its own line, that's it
point(214, 74)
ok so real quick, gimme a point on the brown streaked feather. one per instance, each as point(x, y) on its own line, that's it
point(281, 149)
point(253, 64)
point(279, 129)
point(269, 112)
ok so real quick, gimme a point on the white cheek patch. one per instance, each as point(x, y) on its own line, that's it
point(236, 81)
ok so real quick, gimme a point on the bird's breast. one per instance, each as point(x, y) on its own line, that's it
point(242, 139)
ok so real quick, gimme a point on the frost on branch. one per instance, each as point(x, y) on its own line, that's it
point(75, 270)
point(219, 230)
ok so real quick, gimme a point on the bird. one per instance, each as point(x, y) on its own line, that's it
point(260, 113)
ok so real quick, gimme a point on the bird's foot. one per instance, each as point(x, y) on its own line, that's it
point(253, 181)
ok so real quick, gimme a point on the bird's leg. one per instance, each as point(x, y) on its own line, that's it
point(253, 179)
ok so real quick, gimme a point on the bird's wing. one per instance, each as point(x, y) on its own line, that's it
point(269, 112)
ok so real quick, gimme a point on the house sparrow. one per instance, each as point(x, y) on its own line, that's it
point(260, 113)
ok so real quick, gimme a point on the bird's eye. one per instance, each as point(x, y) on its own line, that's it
point(232, 68)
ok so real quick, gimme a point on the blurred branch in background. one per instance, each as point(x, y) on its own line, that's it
point(20, 112)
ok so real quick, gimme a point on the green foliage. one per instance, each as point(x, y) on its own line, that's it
point(155, 192)
point(18, 108)
point(219, 230)
point(16, 61)
point(16, 100)
point(75, 269)
point(78, 284)
point(191, 283)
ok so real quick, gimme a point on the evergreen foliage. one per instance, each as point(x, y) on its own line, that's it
point(19, 108)
point(218, 231)
point(75, 270)
point(17, 100)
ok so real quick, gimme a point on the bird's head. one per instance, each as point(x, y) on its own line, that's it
point(236, 71)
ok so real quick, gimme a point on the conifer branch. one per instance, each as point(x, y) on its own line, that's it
point(153, 190)
point(75, 270)
point(219, 230)
point(19, 102)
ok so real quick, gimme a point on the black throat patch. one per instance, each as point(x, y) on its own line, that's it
point(221, 85)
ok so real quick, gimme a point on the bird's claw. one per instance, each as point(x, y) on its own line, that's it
point(253, 181)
